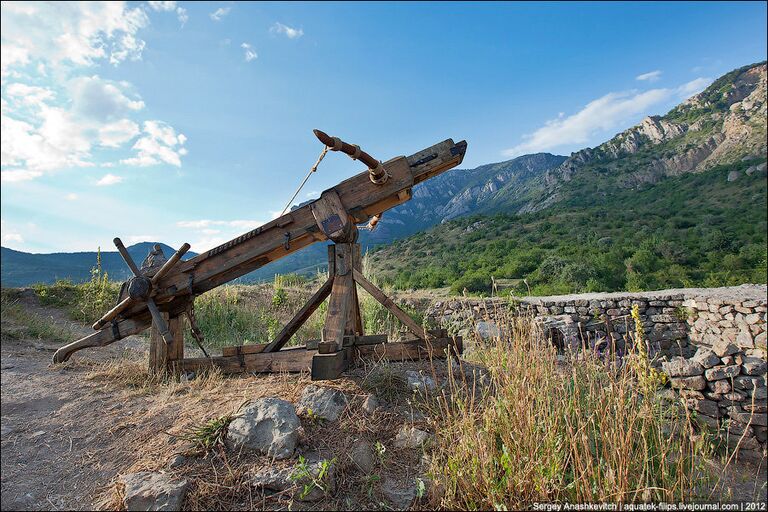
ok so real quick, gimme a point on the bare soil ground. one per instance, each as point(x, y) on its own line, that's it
point(69, 431)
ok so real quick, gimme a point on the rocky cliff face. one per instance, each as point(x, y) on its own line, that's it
point(459, 192)
point(725, 122)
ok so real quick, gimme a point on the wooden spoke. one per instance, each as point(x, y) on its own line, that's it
point(127, 257)
point(298, 320)
point(387, 303)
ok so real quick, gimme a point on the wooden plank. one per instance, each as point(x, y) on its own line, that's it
point(300, 317)
point(176, 348)
point(338, 308)
point(103, 337)
point(294, 359)
point(330, 216)
point(410, 350)
point(387, 303)
point(255, 348)
point(357, 264)
point(158, 349)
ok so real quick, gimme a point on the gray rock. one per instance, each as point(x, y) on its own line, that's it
point(733, 175)
point(706, 358)
point(722, 372)
point(419, 382)
point(722, 347)
point(326, 403)
point(399, 495)
point(267, 425)
point(746, 383)
point(711, 423)
point(176, 461)
point(304, 478)
point(370, 404)
point(153, 491)
point(720, 386)
point(487, 330)
point(736, 413)
point(705, 407)
point(362, 456)
point(680, 367)
point(744, 339)
point(753, 366)
point(410, 437)
point(697, 383)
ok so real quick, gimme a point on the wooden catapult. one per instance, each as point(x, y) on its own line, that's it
point(162, 290)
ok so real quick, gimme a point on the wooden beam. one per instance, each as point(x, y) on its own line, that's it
point(299, 318)
point(158, 349)
point(294, 359)
point(411, 350)
point(256, 348)
point(330, 366)
point(387, 303)
point(103, 337)
point(338, 308)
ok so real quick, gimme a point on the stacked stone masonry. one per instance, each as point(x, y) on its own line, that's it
point(710, 342)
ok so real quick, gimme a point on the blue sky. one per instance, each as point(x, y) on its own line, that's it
point(178, 121)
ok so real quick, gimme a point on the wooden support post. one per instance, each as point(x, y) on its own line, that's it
point(162, 355)
point(389, 304)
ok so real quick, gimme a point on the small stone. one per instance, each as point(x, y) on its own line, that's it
point(724, 348)
point(325, 403)
point(720, 386)
point(711, 423)
point(680, 367)
point(410, 437)
point(370, 404)
point(738, 414)
point(153, 491)
point(727, 360)
point(419, 382)
point(706, 358)
point(176, 461)
point(753, 366)
point(400, 496)
point(362, 456)
point(697, 383)
point(305, 477)
point(722, 372)
point(706, 407)
point(266, 425)
point(744, 339)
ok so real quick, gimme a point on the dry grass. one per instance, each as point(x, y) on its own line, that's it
point(580, 430)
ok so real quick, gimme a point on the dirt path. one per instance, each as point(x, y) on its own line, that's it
point(59, 443)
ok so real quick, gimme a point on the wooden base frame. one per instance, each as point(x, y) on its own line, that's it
point(343, 340)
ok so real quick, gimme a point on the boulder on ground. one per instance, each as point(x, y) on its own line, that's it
point(362, 456)
point(153, 491)
point(267, 425)
point(370, 404)
point(325, 403)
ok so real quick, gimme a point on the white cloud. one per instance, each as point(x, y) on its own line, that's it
point(313, 194)
point(109, 179)
point(182, 16)
point(135, 239)
point(219, 13)
point(289, 32)
point(181, 13)
point(29, 95)
point(100, 99)
point(250, 53)
point(10, 236)
point(694, 87)
point(71, 197)
point(17, 175)
point(70, 33)
point(45, 129)
point(651, 76)
point(159, 143)
point(604, 115)
point(114, 135)
point(163, 6)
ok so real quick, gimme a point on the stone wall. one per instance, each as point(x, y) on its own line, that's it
point(711, 342)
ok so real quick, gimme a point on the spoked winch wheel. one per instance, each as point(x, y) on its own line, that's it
point(141, 288)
